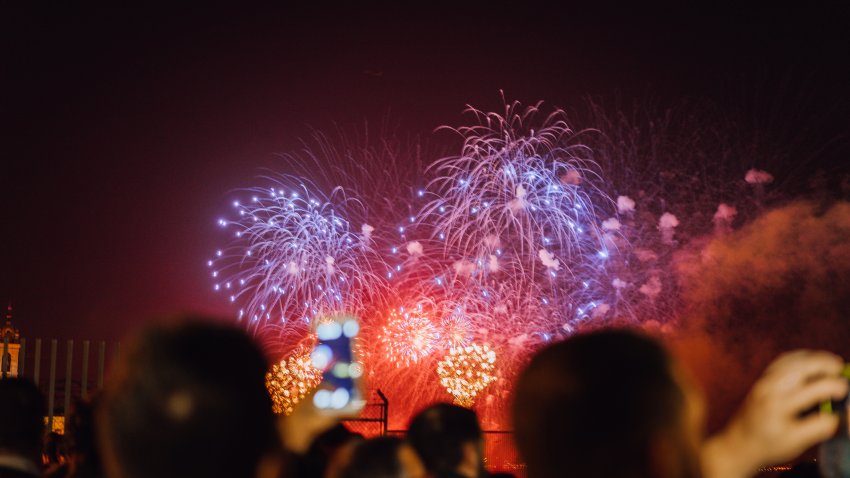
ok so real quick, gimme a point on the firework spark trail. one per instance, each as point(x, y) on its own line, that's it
point(389, 358)
point(512, 184)
point(383, 170)
point(407, 337)
point(691, 162)
point(295, 257)
point(521, 202)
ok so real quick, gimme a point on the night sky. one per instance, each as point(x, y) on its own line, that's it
point(128, 131)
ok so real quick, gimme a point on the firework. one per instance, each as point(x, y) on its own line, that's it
point(519, 204)
point(407, 337)
point(514, 188)
point(455, 330)
point(466, 371)
point(291, 380)
point(512, 241)
point(295, 257)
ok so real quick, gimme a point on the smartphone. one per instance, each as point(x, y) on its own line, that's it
point(837, 406)
point(340, 391)
point(834, 453)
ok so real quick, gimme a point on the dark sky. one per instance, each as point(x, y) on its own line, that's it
point(126, 130)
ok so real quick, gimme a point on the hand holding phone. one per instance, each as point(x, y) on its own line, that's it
point(773, 425)
point(340, 392)
point(837, 406)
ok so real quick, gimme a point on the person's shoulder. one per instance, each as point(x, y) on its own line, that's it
point(6, 472)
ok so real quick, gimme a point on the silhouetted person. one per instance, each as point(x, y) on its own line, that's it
point(22, 413)
point(607, 404)
point(82, 458)
point(188, 400)
point(613, 404)
point(448, 438)
point(384, 457)
point(53, 455)
point(322, 451)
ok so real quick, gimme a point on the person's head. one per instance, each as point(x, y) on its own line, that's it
point(187, 400)
point(448, 439)
point(54, 449)
point(384, 457)
point(609, 404)
point(80, 434)
point(22, 413)
point(323, 449)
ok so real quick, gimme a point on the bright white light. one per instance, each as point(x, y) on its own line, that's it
point(329, 331)
point(322, 399)
point(339, 398)
point(321, 356)
point(350, 328)
point(341, 370)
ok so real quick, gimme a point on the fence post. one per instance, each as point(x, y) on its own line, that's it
point(101, 356)
point(3, 358)
point(52, 386)
point(22, 357)
point(385, 411)
point(85, 378)
point(69, 373)
point(37, 365)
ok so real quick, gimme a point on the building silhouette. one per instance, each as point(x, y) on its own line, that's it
point(11, 346)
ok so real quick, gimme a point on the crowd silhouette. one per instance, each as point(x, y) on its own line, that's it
point(609, 403)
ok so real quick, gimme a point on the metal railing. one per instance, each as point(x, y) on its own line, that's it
point(374, 417)
point(75, 382)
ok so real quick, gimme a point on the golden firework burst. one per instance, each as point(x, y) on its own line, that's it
point(466, 371)
point(291, 380)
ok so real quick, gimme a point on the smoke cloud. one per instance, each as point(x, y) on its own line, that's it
point(780, 283)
